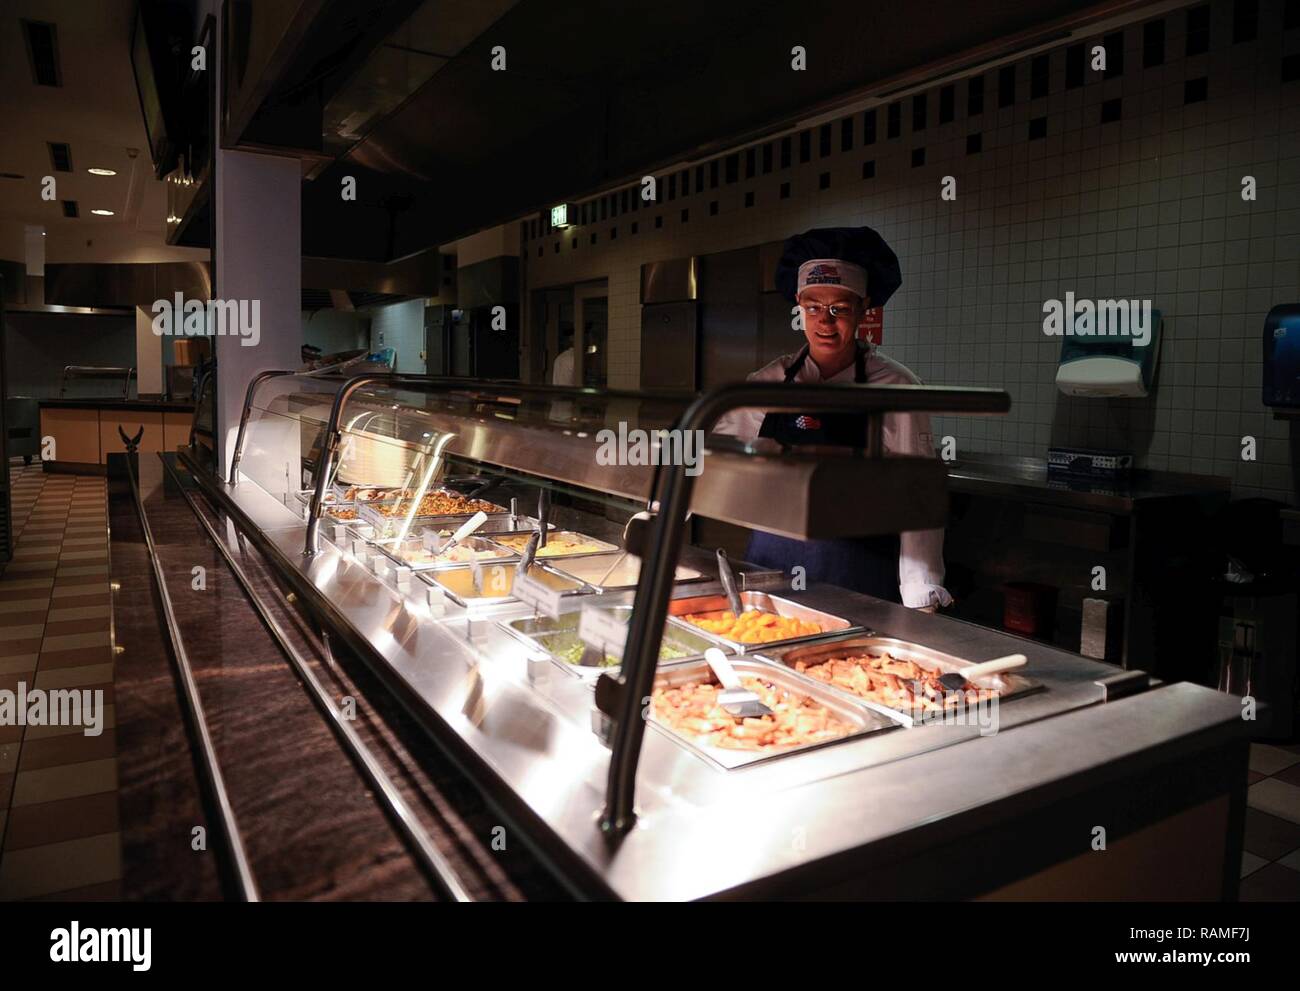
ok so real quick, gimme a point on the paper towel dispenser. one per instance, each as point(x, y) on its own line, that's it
point(1282, 356)
point(1101, 363)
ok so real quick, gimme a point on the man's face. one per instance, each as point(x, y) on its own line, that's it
point(829, 335)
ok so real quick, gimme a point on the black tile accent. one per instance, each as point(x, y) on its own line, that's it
point(1153, 43)
point(846, 134)
point(785, 191)
point(894, 124)
point(868, 127)
point(1037, 128)
point(974, 96)
point(1291, 15)
point(751, 162)
point(713, 174)
point(635, 227)
point(749, 197)
point(1040, 70)
point(823, 141)
point(557, 247)
point(685, 215)
point(625, 196)
point(60, 156)
point(573, 244)
point(672, 191)
point(805, 147)
point(659, 220)
point(918, 157)
point(1198, 30)
point(1290, 68)
point(1112, 110)
point(974, 143)
point(713, 208)
point(1245, 20)
point(685, 177)
point(1196, 90)
point(785, 152)
point(824, 181)
point(582, 219)
point(593, 241)
point(767, 158)
point(1076, 61)
point(1007, 86)
point(869, 169)
point(733, 167)
point(918, 112)
point(1114, 43)
point(540, 249)
point(613, 233)
point(699, 178)
point(947, 103)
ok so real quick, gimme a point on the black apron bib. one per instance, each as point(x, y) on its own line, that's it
point(863, 564)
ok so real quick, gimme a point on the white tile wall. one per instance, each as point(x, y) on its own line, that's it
point(401, 326)
point(1146, 207)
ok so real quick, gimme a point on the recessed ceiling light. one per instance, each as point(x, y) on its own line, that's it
point(102, 213)
point(102, 171)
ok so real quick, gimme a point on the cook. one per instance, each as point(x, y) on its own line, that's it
point(834, 275)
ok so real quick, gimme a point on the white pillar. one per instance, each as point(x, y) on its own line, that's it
point(148, 354)
point(258, 221)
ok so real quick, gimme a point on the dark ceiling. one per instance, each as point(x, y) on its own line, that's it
point(596, 92)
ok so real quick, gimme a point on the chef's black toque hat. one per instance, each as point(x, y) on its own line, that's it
point(860, 246)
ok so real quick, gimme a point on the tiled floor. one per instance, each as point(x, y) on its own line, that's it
point(1270, 865)
point(58, 787)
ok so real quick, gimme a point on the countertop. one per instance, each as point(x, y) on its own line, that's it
point(132, 405)
point(1026, 478)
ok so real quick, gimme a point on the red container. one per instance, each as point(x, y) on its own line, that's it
point(1029, 608)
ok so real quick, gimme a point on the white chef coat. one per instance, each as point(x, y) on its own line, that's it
point(920, 557)
point(562, 372)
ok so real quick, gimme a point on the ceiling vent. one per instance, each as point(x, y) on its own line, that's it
point(70, 208)
point(60, 156)
point(43, 53)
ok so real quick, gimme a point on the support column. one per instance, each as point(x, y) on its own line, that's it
point(257, 218)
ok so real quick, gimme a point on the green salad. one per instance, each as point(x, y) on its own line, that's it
point(569, 649)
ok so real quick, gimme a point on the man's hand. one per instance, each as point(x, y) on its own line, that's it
point(927, 608)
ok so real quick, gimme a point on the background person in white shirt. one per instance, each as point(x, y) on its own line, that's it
point(835, 274)
point(562, 372)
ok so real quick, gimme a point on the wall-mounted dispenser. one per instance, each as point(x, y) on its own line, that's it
point(1104, 363)
point(1282, 356)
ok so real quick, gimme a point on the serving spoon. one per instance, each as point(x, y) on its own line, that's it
point(734, 697)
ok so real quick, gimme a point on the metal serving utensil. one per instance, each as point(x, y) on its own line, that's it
point(526, 557)
point(954, 681)
point(466, 528)
point(729, 583)
point(734, 697)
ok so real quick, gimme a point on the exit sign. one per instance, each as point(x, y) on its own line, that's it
point(560, 215)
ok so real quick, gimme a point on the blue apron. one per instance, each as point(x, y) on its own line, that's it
point(862, 564)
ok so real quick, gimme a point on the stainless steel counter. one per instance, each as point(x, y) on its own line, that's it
point(706, 832)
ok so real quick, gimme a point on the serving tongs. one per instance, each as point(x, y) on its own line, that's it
point(734, 697)
point(729, 583)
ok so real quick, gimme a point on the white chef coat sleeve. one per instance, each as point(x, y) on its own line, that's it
point(746, 423)
point(920, 552)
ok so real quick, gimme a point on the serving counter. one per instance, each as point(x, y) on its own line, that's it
point(1089, 782)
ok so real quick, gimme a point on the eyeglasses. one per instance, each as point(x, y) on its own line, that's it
point(838, 311)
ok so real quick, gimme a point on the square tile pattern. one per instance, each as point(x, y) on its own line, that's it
point(1114, 185)
point(59, 835)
